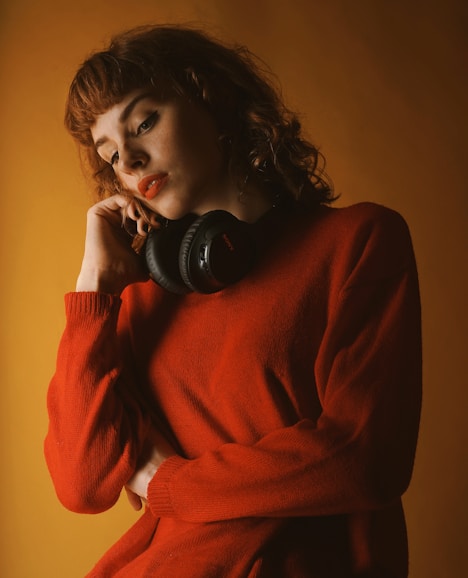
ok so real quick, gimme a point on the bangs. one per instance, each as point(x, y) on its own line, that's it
point(102, 82)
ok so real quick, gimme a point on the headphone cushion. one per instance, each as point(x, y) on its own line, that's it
point(162, 255)
point(217, 250)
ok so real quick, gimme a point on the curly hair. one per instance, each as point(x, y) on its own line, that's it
point(263, 137)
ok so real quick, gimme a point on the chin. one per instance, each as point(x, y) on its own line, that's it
point(175, 208)
point(173, 213)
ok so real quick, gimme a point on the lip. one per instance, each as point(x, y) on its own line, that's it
point(151, 185)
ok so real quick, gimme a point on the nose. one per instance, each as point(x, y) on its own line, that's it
point(131, 159)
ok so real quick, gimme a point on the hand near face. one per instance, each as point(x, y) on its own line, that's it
point(109, 262)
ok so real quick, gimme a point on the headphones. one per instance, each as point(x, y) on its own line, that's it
point(201, 254)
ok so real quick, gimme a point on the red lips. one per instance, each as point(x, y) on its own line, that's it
point(150, 186)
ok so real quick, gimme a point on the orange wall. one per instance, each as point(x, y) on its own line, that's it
point(382, 89)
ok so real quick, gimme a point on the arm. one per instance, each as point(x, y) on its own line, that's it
point(359, 454)
point(95, 424)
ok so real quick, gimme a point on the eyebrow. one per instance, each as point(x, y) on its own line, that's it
point(124, 115)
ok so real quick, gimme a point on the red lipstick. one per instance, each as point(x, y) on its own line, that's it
point(150, 186)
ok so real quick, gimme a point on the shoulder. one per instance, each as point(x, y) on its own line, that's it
point(365, 239)
point(362, 219)
point(362, 224)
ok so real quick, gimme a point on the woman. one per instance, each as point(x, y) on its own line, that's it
point(261, 399)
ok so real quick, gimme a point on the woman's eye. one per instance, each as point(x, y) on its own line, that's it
point(148, 123)
point(114, 158)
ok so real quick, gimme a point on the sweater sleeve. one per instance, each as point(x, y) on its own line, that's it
point(359, 454)
point(94, 424)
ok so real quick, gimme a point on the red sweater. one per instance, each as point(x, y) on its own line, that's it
point(293, 398)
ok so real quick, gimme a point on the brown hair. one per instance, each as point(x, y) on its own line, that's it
point(262, 135)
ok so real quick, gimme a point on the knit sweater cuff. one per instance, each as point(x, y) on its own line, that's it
point(159, 493)
point(90, 303)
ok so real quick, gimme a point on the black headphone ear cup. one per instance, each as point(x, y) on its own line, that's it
point(216, 251)
point(162, 255)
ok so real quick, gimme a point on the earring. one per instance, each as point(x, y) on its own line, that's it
point(224, 143)
point(242, 188)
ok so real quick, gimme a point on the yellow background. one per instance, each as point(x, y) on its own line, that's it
point(382, 89)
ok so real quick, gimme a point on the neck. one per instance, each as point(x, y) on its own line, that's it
point(251, 203)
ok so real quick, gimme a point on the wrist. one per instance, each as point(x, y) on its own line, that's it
point(98, 282)
point(149, 474)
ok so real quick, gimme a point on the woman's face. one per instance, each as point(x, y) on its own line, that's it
point(166, 154)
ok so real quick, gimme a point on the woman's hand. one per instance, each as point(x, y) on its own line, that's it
point(156, 451)
point(109, 261)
